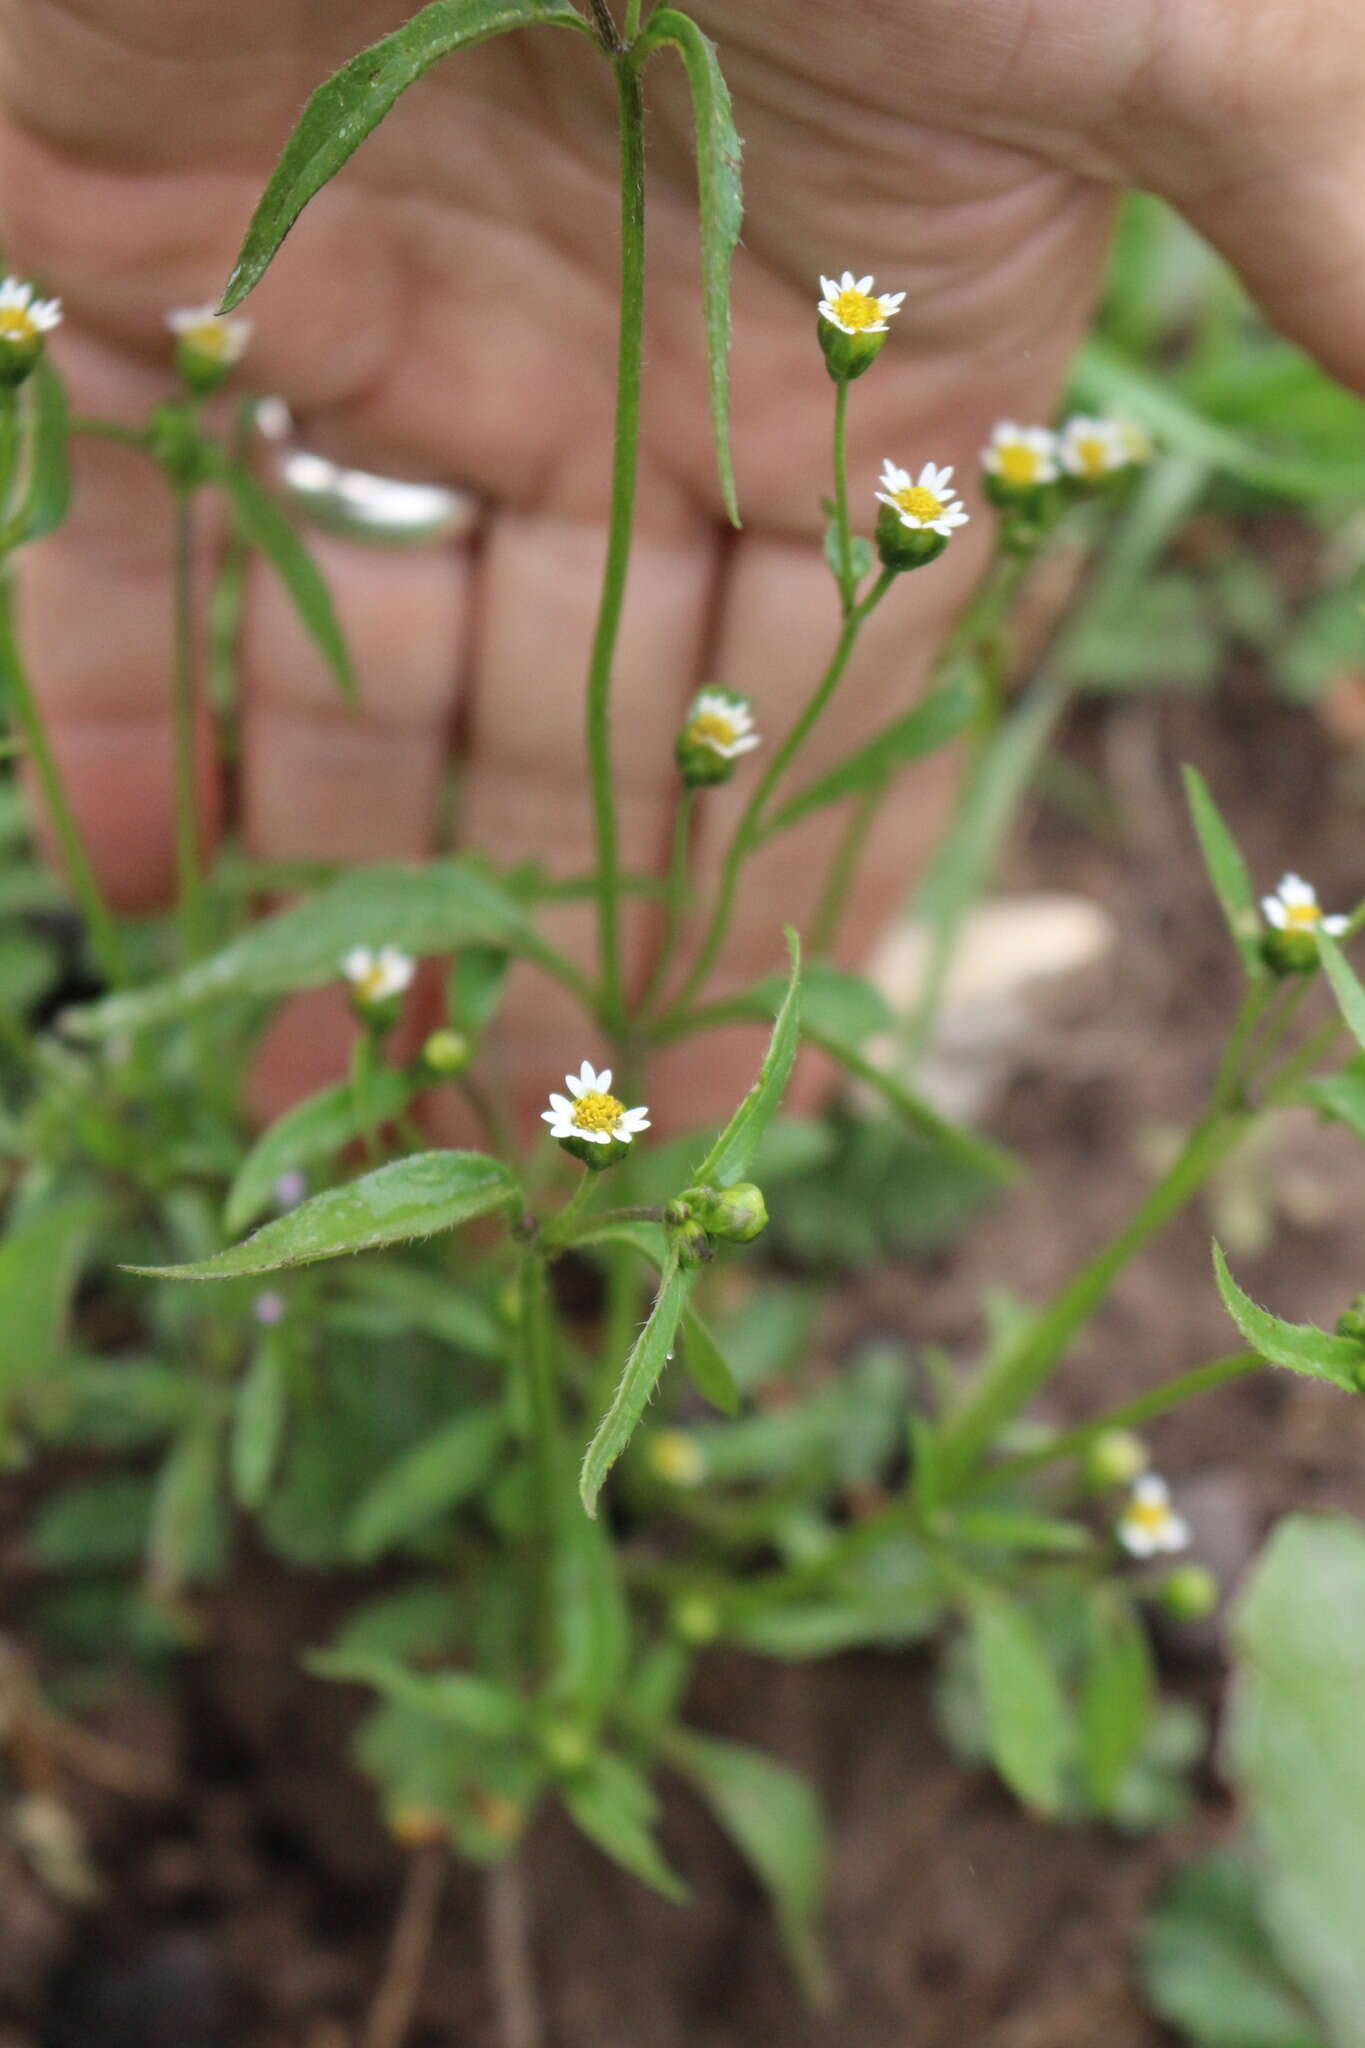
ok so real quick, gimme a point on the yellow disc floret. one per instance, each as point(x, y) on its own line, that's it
point(595, 1111)
point(857, 311)
point(17, 324)
point(713, 729)
point(920, 503)
point(1019, 464)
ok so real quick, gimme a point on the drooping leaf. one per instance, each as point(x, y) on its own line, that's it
point(352, 103)
point(264, 526)
point(1298, 1346)
point(1028, 1729)
point(318, 1128)
point(729, 1158)
point(1294, 1749)
point(459, 1699)
point(705, 1365)
point(1117, 1693)
point(408, 1198)
point(1227, 870)
point(422, 910)
point(426, 1482)
point(1346, 986)
point(926, 727)
point(615, 1808)
point(722, 209)
point(1208, 1968)
point(651, 1352)
point(772, 1816)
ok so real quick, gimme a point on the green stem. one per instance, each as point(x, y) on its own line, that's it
point(559, 1231)
point(536, 1362)
point(185, 708)
point(843, 871)
point(1021, 1370)
point(632, 20)
point(675, 901)
point(1143, 1408)
point(843, 538)
point(749, 827)
point(105, 943)
point(624, 466)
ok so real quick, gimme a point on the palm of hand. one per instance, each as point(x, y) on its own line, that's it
point(449, 308)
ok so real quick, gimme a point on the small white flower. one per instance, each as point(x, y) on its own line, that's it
point(224, 341)
point(22, 317)
point(589, 1111)
point(724, 724)
point(377, 977)
point(851, 305)
point(1092, 449)
point(1295, 908)
point(1022, 457)
point(927, 504)
point(1149, 1524)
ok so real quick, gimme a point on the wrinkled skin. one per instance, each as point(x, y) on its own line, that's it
point(448, 308)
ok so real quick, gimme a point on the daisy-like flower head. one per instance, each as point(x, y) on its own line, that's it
point(924, 504)
point(377, 977)
point(207, 347)
point(24, 321)
point(1020, 458)
point(851, 305)
point(719, 728)
point(1294, 907)
point(1091, 450)
point(590, 1115)
point(1149, 1525)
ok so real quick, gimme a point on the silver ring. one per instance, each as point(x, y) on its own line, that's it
point(356, 504)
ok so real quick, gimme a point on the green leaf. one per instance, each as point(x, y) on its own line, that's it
point(930, 724)
point(318, 1128)
point(772, 1816)
point(459, 1699)
point(394, 1295)
point(48, 491)
point(1027, 1726)
point(705, 1365)
point(614, 1807)
point(860, 553)
point(40, 1258)
point(1207, 1966)
point(264, 527)
point(258, 1421)
point(1295, 1752)
point(408, 1198)
point(187, 1533)
point(474, 987)
point(651, 1352)
point(425, 1483)
point(352, 103)
point(728, 1160)
point(1227, 870)
point(722, 210)
point(92, 1524)
point(1299, 1346)
point(1117, 1694)
point(1346, 986)
point(592, 1621)
point(431, 909)
point(1341, 1097)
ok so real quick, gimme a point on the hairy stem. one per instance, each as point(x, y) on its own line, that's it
point(185, 707)
point(843, 538)
point(675, 900)
point(624, 467)
point(749, 828)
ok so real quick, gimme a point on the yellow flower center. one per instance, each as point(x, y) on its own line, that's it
point(597, 1112)
point(1301, 917)
point(16, 324)
point(1151, 1516)
point(370, 985)
point(1018, 464)
point(676, 1458)
point(856, 310)
point(713, 729)
point(919, 503)
point(1092, 454)
point(209, 338)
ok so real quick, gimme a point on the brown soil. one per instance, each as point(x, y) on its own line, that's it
point(249, 1906)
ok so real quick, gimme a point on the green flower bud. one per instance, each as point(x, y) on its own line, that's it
point(737, 1214)
point(719, 728)
point(676, 1458)
point(692, 1244)
point(207, 349)
point(695, 1619)
point(1351, 1321)
point(1114, 1458)
point(594, 1156)
point(848, 355)
point(446, 1051)
point(1189, 1592)
point(566, 1747)
point(903, 547)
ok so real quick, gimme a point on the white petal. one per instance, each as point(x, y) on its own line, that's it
point(1136, 1540)
point(1152, 1490)
point(560, 1105)
point(1293, 889)
point(635, 1119)
point(847, 282)
point(357, 963)
point(1274, 912)
point(747, 741)
point(1335, 926)
point(1176, 1534)
point(865, 284)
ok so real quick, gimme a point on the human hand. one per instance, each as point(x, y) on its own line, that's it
point(448, 308)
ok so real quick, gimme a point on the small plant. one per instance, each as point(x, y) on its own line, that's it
point(367, 1345)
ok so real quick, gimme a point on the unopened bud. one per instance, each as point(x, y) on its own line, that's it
point(738, 1214)
point(1288, 953)
point(676, 1458)
point(695, 1618)
point(1114, 1458)
point(446, 1051)
point(1189, 1592)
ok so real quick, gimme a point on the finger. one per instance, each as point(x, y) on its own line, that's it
point(526, 787)
point(96, 626)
